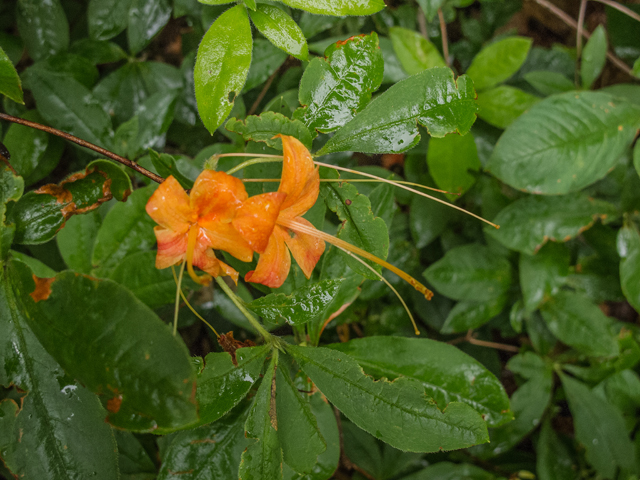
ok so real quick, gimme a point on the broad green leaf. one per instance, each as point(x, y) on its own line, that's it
point(470, 272)
point(500, 106)
point(165, 165)
point(528, 223)
point(75, 241)
point(565, 142)
point(10, 84)
point(388, 124)
point(311, 24)
point(359, 226)
point(34, 154)
point(380, 406)
point(39, 214)
point(43, 26)
point(599, 426)
point(266, 59)
point(211, 451)
point(498, 61)
point(215, 2)
point(280, 29)
point(594, 56)
point(73, 66)
point(542, 274)
point(553, 460)
point(636, 157)
point(97, 51)
point(263, 458)
point(451, 471)
point(11, 188)
point(72, 438)
point(107, 18)
point(426, 228)
point(267, 125)
point(472, 314)
point(393, 71)
point(222, 384)
point(415, 52)
point(450, 158)
point(222, 65)
point(146, 19)
point(430, 7)
point(38, 268)
point(303, 305)
point(250, 3)
point(629, 251)
point(442, 369)
point(133, 459)
point(140, 370)
point(333, 89)
point(549, 83)
point(580, 324)
point(337, 7)
point(622, 389)
point(298, 433)
point(125, 230)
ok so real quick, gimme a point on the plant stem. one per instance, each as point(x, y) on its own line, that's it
point(178, 291)
point(583, 11)
point(445, 40)
point(253, 161)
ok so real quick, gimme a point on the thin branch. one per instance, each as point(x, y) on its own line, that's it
point(621, 8)
point(85, 144)
point(583, 11)
point(443, 33)
point(422, 23)
point(470, 338)
point(268, 83)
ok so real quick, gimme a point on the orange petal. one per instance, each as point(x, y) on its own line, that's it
point(172, 247)
point(274, 264)
point(169, 206)
point(217, 195)
point(222, 236)
point(305, 248)
point(300, 178)
point(206, 260)
point(256, 218)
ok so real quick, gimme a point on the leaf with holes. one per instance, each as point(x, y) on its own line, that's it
point(264, 127)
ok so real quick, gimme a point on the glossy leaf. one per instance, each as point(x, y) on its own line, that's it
point(266, 59)
point(574, 320)
point(378, 407)
point(450, 159)
point(527, 224)
point(146, 19)
point(267, 125)
point(500, 106)
point(442, 369)
point(450, 471)
point(222, 65)
point(11, 188)
point(65, 64)
point(133, 459)
point(498, 61)
point(554, 460)
point(542, 274)
point(166, 166)
point(43, 27)
point(426, 228)
point(75, 241)
point(280, 29)
point(337, 7)
point(38, 268)
point(415, 52)
point(629, 251)
point(97, 51)
point(10, 84)
point(549, 83)
point(472, 314)
point(303, 305)
point(333, 89)
point(470, 272)
point(107, 18)
point(140, 370)
point(545, 151)
point(389, 123)
point(594, 56)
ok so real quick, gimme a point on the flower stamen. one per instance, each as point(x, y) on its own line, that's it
point(194, 231)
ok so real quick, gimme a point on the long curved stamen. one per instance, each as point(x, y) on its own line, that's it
point(300, 228)
point(193, 310)
point(351, 180)
point(191, 245)
point(178, 292)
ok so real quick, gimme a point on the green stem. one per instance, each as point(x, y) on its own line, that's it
point(253, 161)
point(178, 291)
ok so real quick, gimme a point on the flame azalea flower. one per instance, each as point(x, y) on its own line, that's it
point(191, 226)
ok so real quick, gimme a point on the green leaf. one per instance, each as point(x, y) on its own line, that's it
point(133, 459)
point(629, 251)
point(43, 27)
point(542, 275)
point(73, 439)
point(266, 59)
point(549, 83)
point(146, 19)
point(337, 7)
point(333, 89)
point(222, 384)
point(442, 369)
point(75, 241)
point(579, 323)
point(554, 460)
point(393, 71)
point(166, 166)
point(267, 125)
point(263, 458)
point(636, 157)
point(380, 406)
point(38, 268)
point(11, 188)
point(280, 29)
point(10, 84)
point(107, 18)
point(450, 158)
point(498, 61)
point(472, 314)
point(415, 52)
point(65, 64)
point(599, 426)
point(222, 65)
point(470, 272)
point(303, 305)
point(141, 371)
point(594, 56)
point(97, 51)
point(528, 223)
point(451, 471)
point(565, 142)
point(125, 230)
point(636, 68)
point(500, 106)
point(389, 124)
point(298, 433)
point(359, 226)
point(426, 228)
point(430, 7)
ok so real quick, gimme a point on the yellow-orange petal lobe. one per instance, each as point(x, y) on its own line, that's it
point(300, 178)
point(306, 249)
point(169, 206)
point(206, 261)
point(172, 247)
point(256, 218)
point(222, 236)
point(274, 264)
point(217, 195)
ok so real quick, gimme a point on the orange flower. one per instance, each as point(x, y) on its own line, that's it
point(191, 226)
point(298, 191)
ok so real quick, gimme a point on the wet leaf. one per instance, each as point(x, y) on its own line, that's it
point(472, 314)
point(542, 275)
point(10, 84)
point(43, 27)
point(450, 159)
point(629, 251)
point(280, 29)
point(549, 83)
point(11, 188)
point(263, 127)
point(107, 18)
point(266, 59)
point(594, 56)
point(500, 106)
point(498, 61)
point(75, 241)
point(337, 7)
point(145, 19)
point(448, 470)
point(98, 51)
point(415, 52)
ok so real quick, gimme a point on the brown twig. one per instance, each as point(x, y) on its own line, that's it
point(573, 24)
point(470, 338)
point(268, 83)
point(621, 8)
point(581, 14)
point(85, 144)
point(5, 156)
point(443, 33)
point(422, 23)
